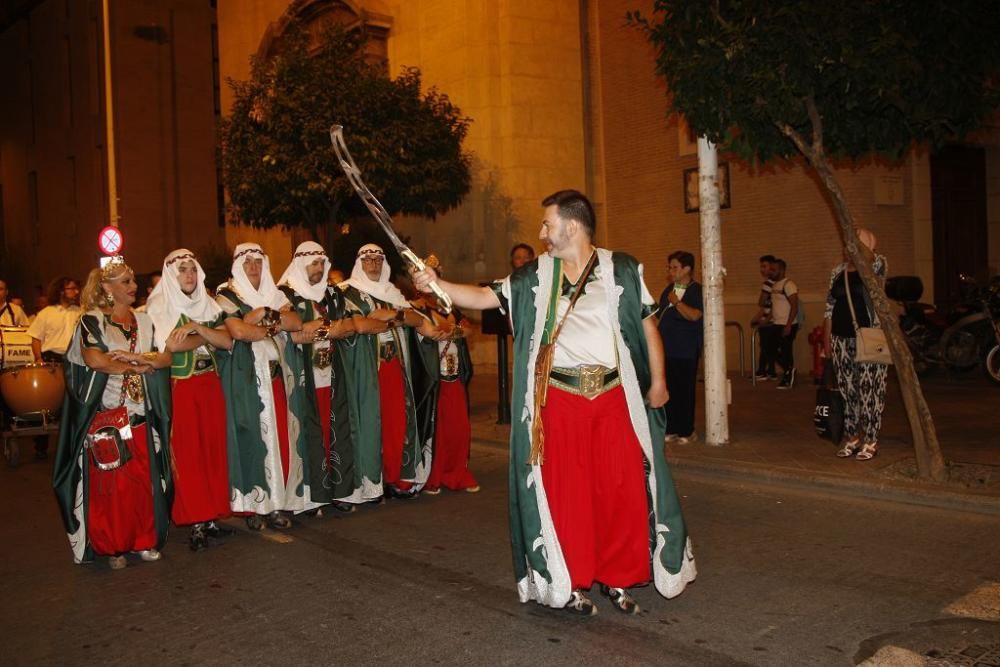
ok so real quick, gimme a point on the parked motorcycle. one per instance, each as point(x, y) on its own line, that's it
point(958, 340)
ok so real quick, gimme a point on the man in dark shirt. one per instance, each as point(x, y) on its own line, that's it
point(681, 330)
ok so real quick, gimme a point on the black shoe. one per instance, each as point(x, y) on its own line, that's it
point(278, 521)
point(621, 599)
point(255, 522)
point(342, 507)
point(212, 529)
point(788, 380)
point(198, 541)
point(393, 491)
point(581, 605)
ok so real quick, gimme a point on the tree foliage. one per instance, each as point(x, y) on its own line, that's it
point(880, 73)
point(278, 165)
point(767, 79)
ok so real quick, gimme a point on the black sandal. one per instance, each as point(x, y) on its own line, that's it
point(621, 599)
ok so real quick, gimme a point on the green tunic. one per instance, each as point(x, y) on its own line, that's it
point(84, 392)
point(539, 567)
point(318, 489)
point(360, 356)
point(256, 476)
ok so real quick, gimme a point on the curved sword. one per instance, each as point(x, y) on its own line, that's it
point(380, 214)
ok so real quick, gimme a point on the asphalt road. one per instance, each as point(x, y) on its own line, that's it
point(785, 578)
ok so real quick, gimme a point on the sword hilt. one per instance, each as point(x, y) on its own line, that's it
point(445, 304)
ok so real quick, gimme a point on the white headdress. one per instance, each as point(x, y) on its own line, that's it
point(168, 301)
point(383, 290)
point(296, 277)
point(268, 293)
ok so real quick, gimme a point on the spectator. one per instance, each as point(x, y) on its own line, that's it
point(762, 320)
point(862, 384)
point(785, 311)
point(681, 331)
point(521, 254)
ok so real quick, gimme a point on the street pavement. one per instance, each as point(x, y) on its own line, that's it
point(788, 575)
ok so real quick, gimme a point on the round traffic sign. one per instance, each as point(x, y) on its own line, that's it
point(110, 240)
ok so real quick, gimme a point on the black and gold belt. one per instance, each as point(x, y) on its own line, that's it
point(587, 381)
point(203, 365)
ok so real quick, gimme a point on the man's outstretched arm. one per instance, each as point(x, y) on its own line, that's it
point(464, 296)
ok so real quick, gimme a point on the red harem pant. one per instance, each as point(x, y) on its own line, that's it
point(281, 423)
point(596, 488)
point(392, 403)
point(120, 502)
point(452, 436)
point(323, 397)
point(198, 450)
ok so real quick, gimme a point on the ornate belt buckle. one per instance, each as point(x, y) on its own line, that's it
point(321, 358)
point(591, 381)
point(450, 366)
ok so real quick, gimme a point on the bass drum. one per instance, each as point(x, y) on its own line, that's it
point(15, 347)
point(34, 389)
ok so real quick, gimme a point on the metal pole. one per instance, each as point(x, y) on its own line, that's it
point(503, 390)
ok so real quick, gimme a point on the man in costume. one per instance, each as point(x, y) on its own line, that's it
point(51, 332)
point(266, 442)
point(444, 409)
point(112, 473)
point(304, 285)
point(387, 447)
point(591, 499)
point(190, 325)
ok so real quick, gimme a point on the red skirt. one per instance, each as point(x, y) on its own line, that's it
point(198, 450)
point(281, 423)
point(120, 502)
point(392, 403)
point(596, 488)
point(323, 398)
point(452, 438)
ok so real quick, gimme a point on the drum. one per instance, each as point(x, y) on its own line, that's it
point(33, 389)
point(15, 347)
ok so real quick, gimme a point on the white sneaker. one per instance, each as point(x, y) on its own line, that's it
point(150, 555)
point(689, 439)
point(671, 437)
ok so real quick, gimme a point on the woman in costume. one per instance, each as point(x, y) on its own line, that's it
point(112, 471)
point(450, 413)
point(188, 323)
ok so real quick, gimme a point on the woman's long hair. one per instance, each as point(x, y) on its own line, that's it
point(93, 294)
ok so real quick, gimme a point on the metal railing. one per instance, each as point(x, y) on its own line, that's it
point(739, 331)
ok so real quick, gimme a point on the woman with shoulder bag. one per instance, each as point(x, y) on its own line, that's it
point(112, 471)
point(862, 383)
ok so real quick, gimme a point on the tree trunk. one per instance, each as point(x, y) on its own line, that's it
point(714, 318)
point(927, 449)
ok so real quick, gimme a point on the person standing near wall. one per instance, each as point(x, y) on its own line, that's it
point(682, 333)
point(785, 311)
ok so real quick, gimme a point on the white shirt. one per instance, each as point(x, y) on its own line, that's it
point(781, 308)
point(54, 327)
point(12, 315)
point(586, 338)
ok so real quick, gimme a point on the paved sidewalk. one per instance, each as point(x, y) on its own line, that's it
point(772, 439)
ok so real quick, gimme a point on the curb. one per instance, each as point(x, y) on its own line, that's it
point(808, 480)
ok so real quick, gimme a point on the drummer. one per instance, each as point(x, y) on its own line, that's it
point(53, 327)
point(11, 314)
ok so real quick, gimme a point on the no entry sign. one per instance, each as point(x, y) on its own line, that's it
point(110, 240)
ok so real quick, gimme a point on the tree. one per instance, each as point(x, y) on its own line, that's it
point(771, 80)
point(278, 165)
